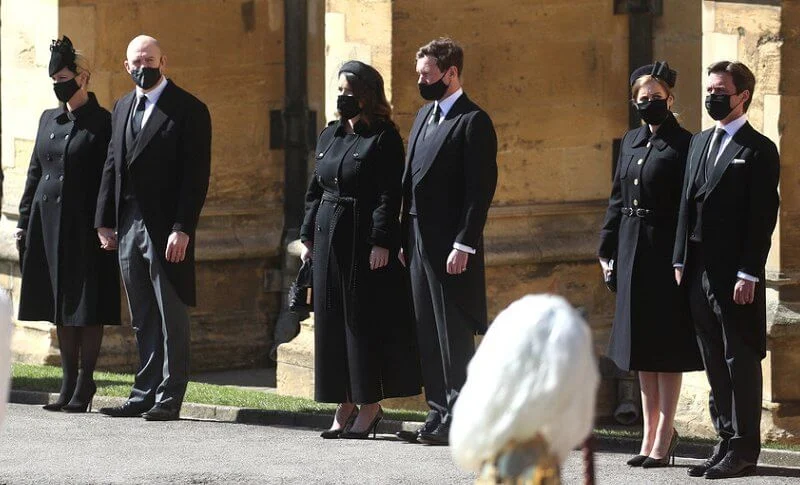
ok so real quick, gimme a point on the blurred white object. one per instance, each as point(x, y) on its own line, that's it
point(534, 373)
point(5, 351)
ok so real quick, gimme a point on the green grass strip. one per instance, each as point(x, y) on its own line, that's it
point(28, 377)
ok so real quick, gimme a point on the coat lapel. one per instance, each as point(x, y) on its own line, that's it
point(121, 124)
point(432, 147)
point(416, 129)
point(733, 148)
point(153, 124)
point(696, 158)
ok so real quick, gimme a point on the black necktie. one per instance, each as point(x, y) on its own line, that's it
point(138, 115)
point(713, 152)
point(434, 121)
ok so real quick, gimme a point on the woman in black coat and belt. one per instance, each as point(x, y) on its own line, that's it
point(364, 346)
point(652, 332)
point(67, 279)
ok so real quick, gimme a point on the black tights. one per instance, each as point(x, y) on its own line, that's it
point(78, 345)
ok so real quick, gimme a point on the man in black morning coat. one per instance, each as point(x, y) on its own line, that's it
point(153, 188)
point(728, 212)
point(448, 186)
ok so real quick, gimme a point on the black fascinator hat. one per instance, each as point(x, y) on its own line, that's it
point(366, 73)
point(62, 54)
point(659, 70)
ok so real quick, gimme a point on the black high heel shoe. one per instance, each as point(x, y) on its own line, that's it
point(362, 435)
point(336, 433)
point(637, 460)
point(67, 390)
point(82, 398)
point(662, 462)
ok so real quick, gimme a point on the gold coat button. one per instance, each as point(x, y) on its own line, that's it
point(635, 202)
point(648, 144)
point(635, 181)
point(641, 161)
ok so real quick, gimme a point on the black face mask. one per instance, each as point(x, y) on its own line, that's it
point(718, 106)
point(433, 91)
point(653, 112)
point(146, 77)
point(348, 106)
point(66, 90)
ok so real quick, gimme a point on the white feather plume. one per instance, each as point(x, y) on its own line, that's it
point(534, 373)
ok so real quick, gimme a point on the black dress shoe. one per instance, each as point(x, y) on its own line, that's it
point(701, 469)
point(127, 410)
point(410, 436)
point(438, 437)
point(413, 436)
point(731, 466)
point(157, 413)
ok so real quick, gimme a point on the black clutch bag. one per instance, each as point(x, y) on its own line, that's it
point(298, 292)
point(610, 277)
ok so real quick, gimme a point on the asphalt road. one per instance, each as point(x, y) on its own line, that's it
point(38, 447)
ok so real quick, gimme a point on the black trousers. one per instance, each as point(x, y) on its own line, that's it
point(733, 367)
point(444, 332)
point(158, 316)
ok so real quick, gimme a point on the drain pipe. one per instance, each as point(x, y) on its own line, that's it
point(292, 130)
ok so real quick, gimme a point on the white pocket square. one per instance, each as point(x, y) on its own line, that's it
point(739, 160)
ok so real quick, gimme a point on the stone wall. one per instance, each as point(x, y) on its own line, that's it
point(229, 54)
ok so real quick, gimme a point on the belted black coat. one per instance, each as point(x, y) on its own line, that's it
point(66, 277)
point(652, 330)
point(365, 345)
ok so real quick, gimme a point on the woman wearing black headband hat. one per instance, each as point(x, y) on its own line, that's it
point(652, 332)
point(67, 279)
point(365, 347)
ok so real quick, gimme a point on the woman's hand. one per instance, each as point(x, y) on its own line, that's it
point(19, 233)
point(306, 251)
point(378, 257)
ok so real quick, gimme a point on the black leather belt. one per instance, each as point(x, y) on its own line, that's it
point(636, 212)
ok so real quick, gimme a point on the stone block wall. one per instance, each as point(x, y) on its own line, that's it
point(230, 55)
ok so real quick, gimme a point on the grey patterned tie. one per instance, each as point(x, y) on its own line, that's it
point(433, 123)
point(713, 152)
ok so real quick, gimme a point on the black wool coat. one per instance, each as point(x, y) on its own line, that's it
point(169, 170)
point(652, 329)
point(453, 194)
point(365, 344)
point(739, 214)
point(66, 277)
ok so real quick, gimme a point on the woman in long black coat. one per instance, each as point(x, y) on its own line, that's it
point(652, 332)
point(365, 346)
point(67, 279)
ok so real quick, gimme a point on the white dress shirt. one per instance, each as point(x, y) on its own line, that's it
point(445, 105)
point(152, 98)
point(730, 130)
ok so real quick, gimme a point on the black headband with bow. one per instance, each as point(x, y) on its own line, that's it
point(62, 54)
point(659, 70)
point(366, 73)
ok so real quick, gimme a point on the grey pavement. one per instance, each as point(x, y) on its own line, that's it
point(38, 447)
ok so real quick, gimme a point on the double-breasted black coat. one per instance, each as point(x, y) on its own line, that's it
point(652, 329)
point(365, 345)
point(66, 277)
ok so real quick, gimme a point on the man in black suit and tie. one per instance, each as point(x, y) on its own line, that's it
point(448, 186)
point(728, 212)
point(153, 187)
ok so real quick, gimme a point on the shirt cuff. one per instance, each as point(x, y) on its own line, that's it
point(677, 265)
point(745, 276)
point(462, 247)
